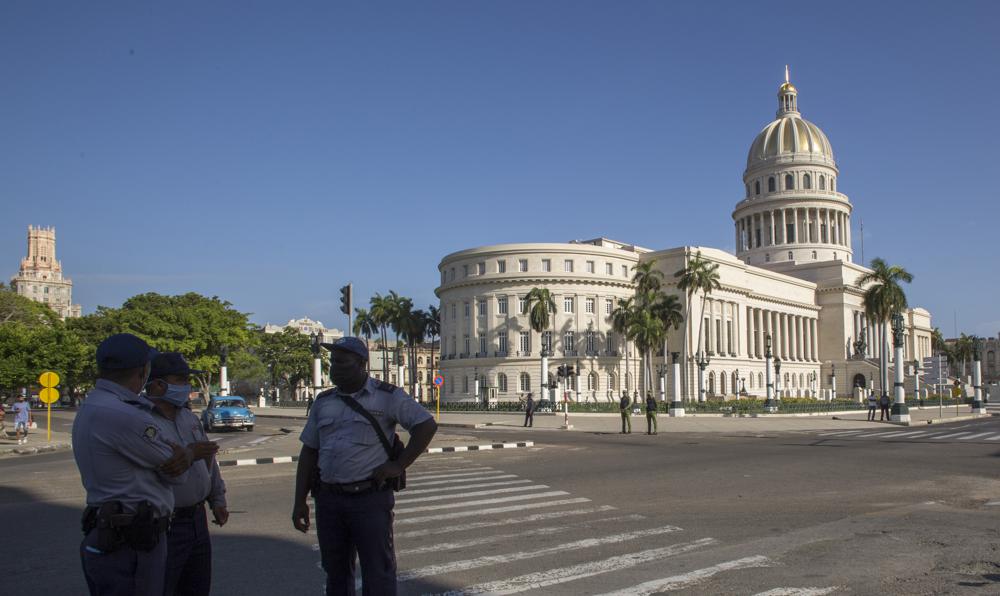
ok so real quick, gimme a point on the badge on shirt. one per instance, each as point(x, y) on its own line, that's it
point(150, 432)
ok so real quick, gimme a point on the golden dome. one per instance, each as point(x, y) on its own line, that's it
point(787, 87)
point(792, 137)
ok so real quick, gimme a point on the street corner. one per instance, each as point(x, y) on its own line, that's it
point(32, 449)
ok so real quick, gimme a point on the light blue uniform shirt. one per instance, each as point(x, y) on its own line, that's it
point(118, 447)
point(349, 449)
point(204, 480)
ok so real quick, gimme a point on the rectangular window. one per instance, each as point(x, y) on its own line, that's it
point(521, 304)
point(501, 266)
point(452, 274)
point(481, 307)
point(609, 306)
point(465, 271)
point(467, 345)
point(567, 305)
point(481, 268)
point(569, 343)
point(547, 341)
point(546, 265)
point(591, 342)
point(789, 233)
point(609, 268)
point(454, 346)
point(524, 345)
point(465, 384)
point(501, 305)
point(467, 312)
point(590, 305)
point(590, 266)
point(502, 342)
point(624, 270)
point(522, 265)
point(483, 344)
point(525, 382)
point(46, 289)
point(568, 266)
point(454, 310)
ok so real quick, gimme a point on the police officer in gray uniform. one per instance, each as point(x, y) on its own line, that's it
point(189, 547)
point(353, 492)
point(127, 469)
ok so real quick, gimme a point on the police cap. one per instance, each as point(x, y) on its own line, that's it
point(123, 350)
point(350, 344)
point(171, 363)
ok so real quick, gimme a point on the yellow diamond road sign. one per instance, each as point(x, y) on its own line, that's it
point(49, 379)
point(49, 395)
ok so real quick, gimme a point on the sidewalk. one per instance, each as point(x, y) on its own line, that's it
point(37, 442)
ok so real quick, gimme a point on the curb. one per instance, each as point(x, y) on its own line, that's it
point(34, 450)
point(472, 425)
point(288, 459)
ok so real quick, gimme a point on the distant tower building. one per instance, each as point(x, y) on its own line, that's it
point(41, 278)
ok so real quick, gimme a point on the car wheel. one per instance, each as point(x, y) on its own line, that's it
point(210, 427)
point(249, 428)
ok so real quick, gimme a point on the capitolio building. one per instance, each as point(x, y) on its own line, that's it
point(793, 279)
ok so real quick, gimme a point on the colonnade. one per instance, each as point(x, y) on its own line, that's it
point(809, 225)
point(794, 338)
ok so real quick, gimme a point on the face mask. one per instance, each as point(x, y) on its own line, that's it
point(177, 395)
point(347, 380)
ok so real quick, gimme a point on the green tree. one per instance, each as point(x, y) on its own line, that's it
point(883, 296)
point(432, 328)
point(626, 311)
point(702, 276)
point(15, 308)
point(288, 357)
point(365, 326)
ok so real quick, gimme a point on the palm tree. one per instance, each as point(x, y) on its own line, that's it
point(413, 328)
point(539, 306)
point(365, 326)
point(381, 310)
point(432, 326)
point(962, 352)
point(621, 321)
point(884, 297)
point(700, 275)
point(937, 341)
point(646, 278)
point(400, 311)
point(646, 330)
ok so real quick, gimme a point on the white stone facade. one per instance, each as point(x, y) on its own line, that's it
point(792, 278)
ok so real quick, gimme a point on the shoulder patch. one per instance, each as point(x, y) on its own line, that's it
point(150, 432)
point(325, 393)
point(385, 386)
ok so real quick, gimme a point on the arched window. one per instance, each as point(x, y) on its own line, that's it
point(814, 255)
point(756, 187)
point(790, 257)
point(711, 383)
point(789, 182)
point(420, 360)
point(802, 380)
point(502, 383)
point(760, 380)
point(593, 381)
point(525, 382)
point(770, 184)
point(990, 357)
point(822, 183)
point(785, 383)
point(748, 190)
point(807, 181)
point(767, 257)
point(751, 375)
point(722, 383)
point(612, 382)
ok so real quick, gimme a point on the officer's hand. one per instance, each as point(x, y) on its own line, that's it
point(300, 517)
point(389, 469)
point(221, 515)
point(178, 462)
point(205, 450)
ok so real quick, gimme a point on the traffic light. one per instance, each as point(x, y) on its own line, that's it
point(345, 299)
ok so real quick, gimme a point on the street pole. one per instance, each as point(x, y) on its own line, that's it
point(833, 381)
point(577, 388)
point(899, 411)
point(769, 404)
point(663, 382)
point(676, 406)
point(545, 373)
point(977, 378)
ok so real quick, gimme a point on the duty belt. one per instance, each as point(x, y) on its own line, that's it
point(189, 511)
point(353, 488)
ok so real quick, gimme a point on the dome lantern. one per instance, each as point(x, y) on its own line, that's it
point(787, 98)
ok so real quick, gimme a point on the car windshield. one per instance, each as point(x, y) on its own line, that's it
point(229, 403)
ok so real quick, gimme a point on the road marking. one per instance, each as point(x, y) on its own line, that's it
point(490, 560)
point(554, 493)
point(799, 591)
point(952, 435)
point(545, 531)
point(457, 480)
point(481, 512)
point(840, 432)
point(560, 575)
point(260, 440)
point(455, 474)
point(975, 436)
point(535, 517)
point(883, 433)
point(421, 491)
point(685, 580)
point(994, 438)
point(477, 493)
point(915, 433)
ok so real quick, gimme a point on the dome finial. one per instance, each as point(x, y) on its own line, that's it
point(786, 73)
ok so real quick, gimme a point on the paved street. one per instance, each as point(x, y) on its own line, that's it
point(873, 510)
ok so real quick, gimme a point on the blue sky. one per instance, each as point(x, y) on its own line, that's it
point(270, 152)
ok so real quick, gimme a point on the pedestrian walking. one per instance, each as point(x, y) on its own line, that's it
point(650, 414)
point(309, 404)
point(348, 464)
point(624, 405)
point(127, 468)
point(22, 419)
point(189, 546)
point(529, 411)
point(871, 406)
point(884, 404)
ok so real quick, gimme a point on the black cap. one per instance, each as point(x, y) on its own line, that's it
point(171, 363)
point(123, 350)
point(350, 344)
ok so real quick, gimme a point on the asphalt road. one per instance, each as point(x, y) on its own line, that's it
point(875, 511)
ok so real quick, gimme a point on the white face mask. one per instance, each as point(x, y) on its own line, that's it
point(177, 395)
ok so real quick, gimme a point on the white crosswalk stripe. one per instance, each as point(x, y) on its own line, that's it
point(975, 436)
point(475, 493)
point(684, 580)
point(799, 591)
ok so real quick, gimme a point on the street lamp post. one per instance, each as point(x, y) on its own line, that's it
point(545, 372)
point(833, 381)
point(769, 404)
point(812, 384)
point(778, 387)
point(475, 383)
point(317, 365)
point(977, 377)
point(899, 412)
point(736, 384)
point(702, 360)
point(916, 382)
point(223, 370)
point(577, 379)
point(676, 405)
point(661, 371)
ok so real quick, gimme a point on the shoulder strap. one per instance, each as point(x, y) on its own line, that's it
point(354, 405)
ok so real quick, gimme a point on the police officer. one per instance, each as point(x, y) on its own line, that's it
point(623, 406)
point(189, 547)
point(529, 411)
point(650, 414)
point(127, 468)
point(353, 494)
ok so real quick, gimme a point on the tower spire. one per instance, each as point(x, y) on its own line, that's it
point(786, 74)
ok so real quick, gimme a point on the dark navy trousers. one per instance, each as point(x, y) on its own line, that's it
point(357, 524)
point(124, 572)
point(189, 556)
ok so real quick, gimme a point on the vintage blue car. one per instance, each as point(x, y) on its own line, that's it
point(227, 411)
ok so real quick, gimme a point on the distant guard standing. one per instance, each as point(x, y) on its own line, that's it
point(189, 546)
point(529, 411)
point(353, 492)
point(650, 414)
point(624, 405)
point(127, 469)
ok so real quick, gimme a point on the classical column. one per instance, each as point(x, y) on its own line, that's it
point(773, 233)
point(786, 336)
point(813, 340)
point(795, 226)
point(756, 332)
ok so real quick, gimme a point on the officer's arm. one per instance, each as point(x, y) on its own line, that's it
point(304, 476)
point(420, 437)
point(217, 498)
point(140, 442)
